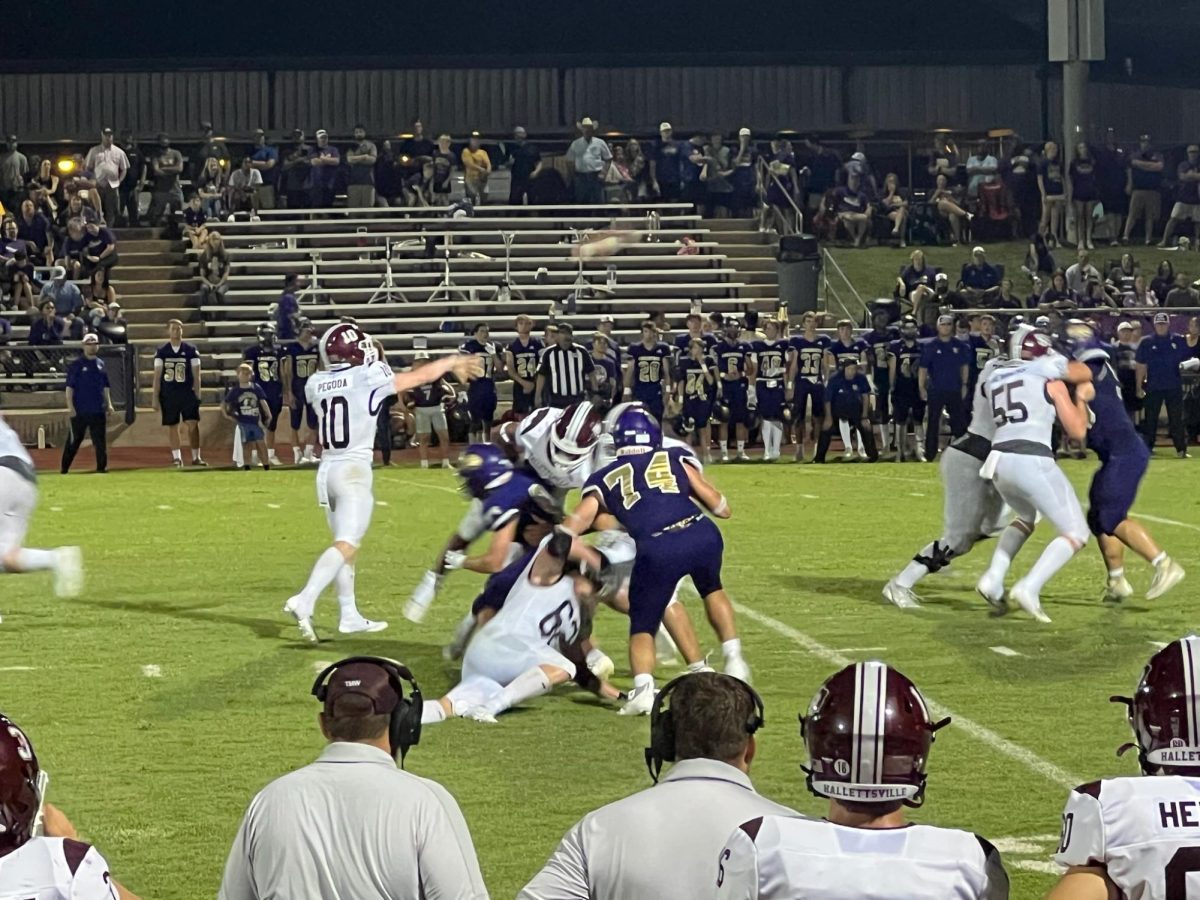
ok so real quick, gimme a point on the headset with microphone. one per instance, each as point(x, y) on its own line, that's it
point(662, 724)
point(404, 727)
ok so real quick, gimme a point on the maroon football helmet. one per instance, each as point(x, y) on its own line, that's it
point(868, 734)
point(1035, 344)
point(1164, 712)
point(573, 436)
point(20, 794)
point(347, 345)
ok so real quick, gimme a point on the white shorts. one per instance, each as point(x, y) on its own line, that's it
point(345, 490)
point(973, 508)
point(430, 418)
point(1035, 484)
point(496, 655)
point(18, 499)
point(1186, 211)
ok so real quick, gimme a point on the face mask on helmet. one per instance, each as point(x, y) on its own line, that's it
point(573, 437)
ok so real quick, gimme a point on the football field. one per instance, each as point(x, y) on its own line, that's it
point(173, 689)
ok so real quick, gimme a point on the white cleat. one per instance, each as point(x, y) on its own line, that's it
point(68, 572)
point(639, 703)
point(743, 456)
point(848, 455)
point(900, 596)
point(361, 625)
point(601, 665)
point(1029, 602)
point(273, 459)
point(304, 623)
point(446, 464)
point(423, 595)
point(737, 667)
point(1166, 576)
point(993, 592)
point(1116, 590)
point(479, 714)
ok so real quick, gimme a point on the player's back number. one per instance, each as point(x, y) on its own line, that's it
point(1006, 408)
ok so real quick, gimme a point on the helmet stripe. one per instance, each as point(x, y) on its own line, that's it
point(1188, 645)
point(857, 736)
point(870, 699)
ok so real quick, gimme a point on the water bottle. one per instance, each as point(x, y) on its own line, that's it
point(41, 437)
point(612, 277)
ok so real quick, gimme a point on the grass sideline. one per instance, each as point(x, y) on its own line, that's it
point(187, 572)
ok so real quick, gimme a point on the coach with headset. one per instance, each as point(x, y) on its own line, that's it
point(352, 825)
point(664, 841)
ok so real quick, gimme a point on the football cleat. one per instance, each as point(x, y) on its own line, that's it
point(900, 596)
point(640, 702)
point(68, 572)
point(1029, 602)
point(422, 597)
point(199, 464)
point(479, 714)
point(1166, 576)
point(737, 667)
point(993, 593)
point(1116, 590)
point(361, 625)
point(743, 456)
point(177, 463)
point(304, 623)
point(600, 664)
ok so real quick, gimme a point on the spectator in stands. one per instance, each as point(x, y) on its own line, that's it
point(210, 185)
point(214, 271)
point(783, 188)
point(195, 223)
point(417, 147)
point(1110, 177)
point(477, 169)
point(14, 169)
point(72, 209)
point(298, 173)
point(943, 159)
point(745, 176)
point(389, 177)
point(666, 172)
point(325, 160)
point(944, 201)
point(1083, 192)
point(639, 171)
point(822, 164)
point(360, 191)
point(264, 159)
point(893, 204)
point(1053, 188)
point(1058, 297)
point(524, 165)
point(71, 254)
point(34, 229)
point(1139, 295)
point(47, 185)
point(1022, 184)
point(100, 294)
point(857, 164)
point(916, 279)
point(166, 167)
point(89, 403)
point(718, 166)
point(1081, 271)
point(1164, 280)
point(982, 168)
point(113, 327)
point(64, 294)
point(691, 166)
point(242, 191)
point(589, 157)
point(443, 172)
point(110, 165)
point(1143, 185)
point(617, 180)
point(1181, 295)
point(210, 148)
point(1187, 196)
point(853, 209)
point(18, 275)
point(932, 305)
point(287, 310)
point(1095, 297)
point(99, 252)
point(1006, 299)
point(980, 279)
point(49, 328)
point(1039, 260)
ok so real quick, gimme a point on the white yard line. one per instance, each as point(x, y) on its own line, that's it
point(1163, 521)
point(861, 650)
point(1027, 758)
point(17, 669)
point(164, 507)
point(273, 506)
point(1029, 845)
point(810, 496)
point(418, 484)
point(1005, 651)
point(152, 671)
point(1036, 865)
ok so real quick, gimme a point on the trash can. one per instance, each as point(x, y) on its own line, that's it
point(798, 266)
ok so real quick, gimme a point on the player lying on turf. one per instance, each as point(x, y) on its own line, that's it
point(348, 395)
point(1123, 462)
point(18, 499)
point(533, 643)
point(1136, 836)
point(868, 733)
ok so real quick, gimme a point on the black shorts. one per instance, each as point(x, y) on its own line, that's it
point(904, 405)
point(276, 406)
point(176, 406)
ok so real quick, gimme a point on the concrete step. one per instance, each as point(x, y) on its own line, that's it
point(174, 286)
point(756, 264)
point(37, 399)
point(156, 331)
point(728, 224)
point(138, 234)
point(157, 301)
point(143, 258)
point(152, 273)
point(755, 248)
point(149, 246)
point(761, 278)
point(161, 316)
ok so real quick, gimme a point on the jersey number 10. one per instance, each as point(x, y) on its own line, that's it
point(335, 423)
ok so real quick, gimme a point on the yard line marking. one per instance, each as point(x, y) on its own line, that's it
point(431, 487)
point(381, 503)
point(1028, 758)
point(274, 506)
point(861, 650)
point(56, 509)
point(1163, 521)
point(810, 496)
point(321, 665)
point(152, 671)
point(163, 506)
point(1158, 644)
point(916, 494)
point(17, 669)
point(1005, 651)
point(1037, 865)
point(1026, 846)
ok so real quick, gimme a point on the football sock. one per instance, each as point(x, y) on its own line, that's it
point(195, 454)
point(741, 445)
point(914, 571)
point(1118, 572)
point(177, 455)
point(732, 648)
point(308, 451)
point(33, 561)
point(692, 668)
point(530, 683)
point(1056, 555)
point(1160, 559)
point(295, 455)
point(343, 582)
point(432, 711)
point(844, 431)
point(326, 569)
point(641, 682)
point(1010, 543)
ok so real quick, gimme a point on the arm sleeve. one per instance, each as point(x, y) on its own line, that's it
point(736, 868)
point(446, 856)
point(995, 885)
point(90, 879)
point(1082, 842)
point(565, 875)
point(237, 883)
point(473, 523)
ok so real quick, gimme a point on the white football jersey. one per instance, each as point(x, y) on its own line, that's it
point(983, 421)
point(1016, 393)
point(347, 401)
point(10, 444)
point(791, 858)
point(55, 869)
point(533, 442)
point(534, 614)
point(1144, 830)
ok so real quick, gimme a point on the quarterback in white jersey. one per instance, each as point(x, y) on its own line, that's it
point(1026, 397)
point(1139, 837)
point(18, 499)
point(531, 644)
point(868, 734)
point(347, 396)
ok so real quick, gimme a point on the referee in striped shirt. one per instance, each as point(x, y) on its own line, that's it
point(566, 374)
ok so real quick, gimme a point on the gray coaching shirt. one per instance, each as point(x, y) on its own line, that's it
point(661, 843)
point(353, 826)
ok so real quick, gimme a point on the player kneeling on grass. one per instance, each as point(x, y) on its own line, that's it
point(246, 405)
point(653, 494)
point(18, 498)
point(868, 733)
point(532, 644)
point(41, 856)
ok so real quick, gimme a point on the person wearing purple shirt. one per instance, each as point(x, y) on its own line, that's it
point(49, 329)
point(100, 250)
point(1160, 383)
point(325, 160)
point(735, 368)
point(665, 171)
point(942, 380)
point(73, 247)
point(849, 396)
point(246, 405)
point(806, 381)
point(521, 363)
point(287, 308)
point(648, 377)
point(34, 228)
point(853, 208)
point(608, 379)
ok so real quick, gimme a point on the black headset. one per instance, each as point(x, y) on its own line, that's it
point(404, 729)
point(662, 725)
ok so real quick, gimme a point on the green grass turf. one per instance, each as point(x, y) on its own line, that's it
point(187, 572)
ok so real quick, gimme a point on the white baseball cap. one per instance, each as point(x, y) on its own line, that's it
point(743, 132)
point(91, 339)
point(1125, 326)
point(941, 276)
point(977, 250)
point(665, 126)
